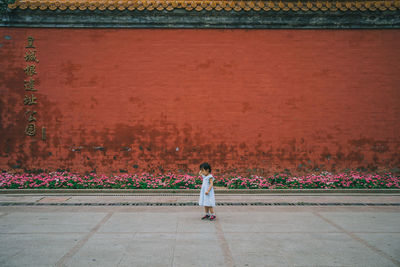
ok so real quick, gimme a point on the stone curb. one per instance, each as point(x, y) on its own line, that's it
point(180, 191)
point(5, 204)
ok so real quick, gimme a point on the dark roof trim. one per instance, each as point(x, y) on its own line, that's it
point(181, 18)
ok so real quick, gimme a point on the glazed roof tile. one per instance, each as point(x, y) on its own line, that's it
point(198, 5)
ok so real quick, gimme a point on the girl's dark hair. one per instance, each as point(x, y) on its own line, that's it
point(205, 166)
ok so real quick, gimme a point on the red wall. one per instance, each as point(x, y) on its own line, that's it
point(240, 99)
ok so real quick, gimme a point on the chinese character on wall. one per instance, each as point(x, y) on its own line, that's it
point(29, 84)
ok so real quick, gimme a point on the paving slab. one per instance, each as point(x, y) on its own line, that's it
point(175, 236)
point(20, 198)
point(143, 222)
point(34, 249)
point(117, 249)
point(53, 199)
point(197, 249)
point(301, 249)
point(270, 222)
point(387, 242)
point(365, 221)
point(48, 222)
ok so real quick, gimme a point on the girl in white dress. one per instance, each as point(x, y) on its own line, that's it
point(207, 198)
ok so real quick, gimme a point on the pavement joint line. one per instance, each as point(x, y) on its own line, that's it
point(358, 239)
point(12, 256)
point(174, 245)
point(40, 199)
point(123, 256)
point(229, 262)
point(4, 214)
point(81, 243)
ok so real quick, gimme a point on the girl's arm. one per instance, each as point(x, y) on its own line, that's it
point(211, 185)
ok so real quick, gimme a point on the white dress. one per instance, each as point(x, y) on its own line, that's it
point(207, 200)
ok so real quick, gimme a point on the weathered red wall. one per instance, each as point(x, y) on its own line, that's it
point(170, 99)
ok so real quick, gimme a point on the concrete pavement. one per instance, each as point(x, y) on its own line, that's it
point(57, 233)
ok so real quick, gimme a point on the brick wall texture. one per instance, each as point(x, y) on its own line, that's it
point(115, 100)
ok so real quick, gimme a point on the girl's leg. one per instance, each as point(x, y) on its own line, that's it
point(212, 214)
point(206, 209)
point(211, 209)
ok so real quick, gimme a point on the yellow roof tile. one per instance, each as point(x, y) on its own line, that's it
point(198, 5)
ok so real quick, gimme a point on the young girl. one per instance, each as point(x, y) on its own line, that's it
point(207, 198)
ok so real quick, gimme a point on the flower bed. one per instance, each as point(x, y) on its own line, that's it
point(173, 181)
point(323, 180)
